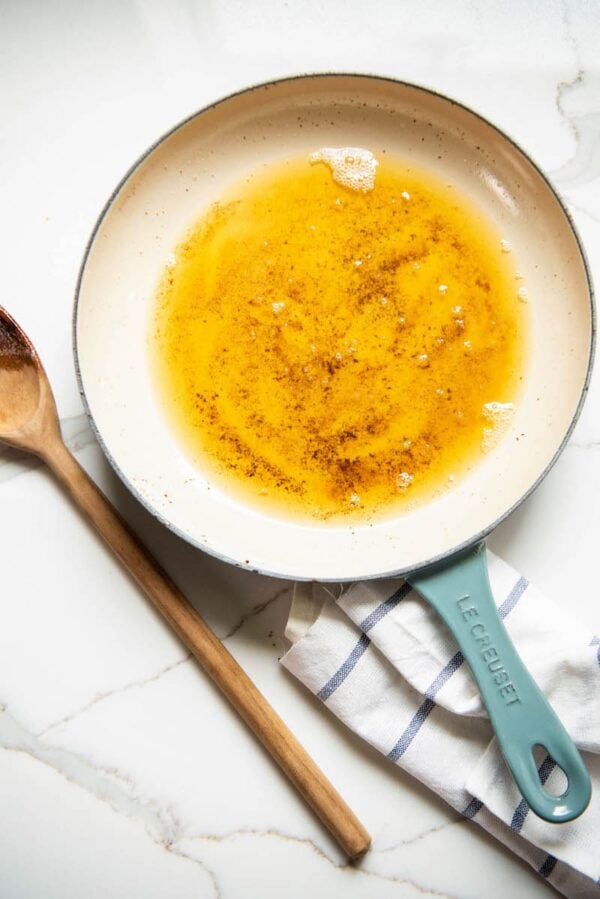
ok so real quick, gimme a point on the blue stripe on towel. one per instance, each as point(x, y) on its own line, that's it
point(520, 813)
point(445, 674)
point(370, 621)
point(344, 670)
point(383, 608)
point(412, 730)
point(473, 807)
point(548, 866)
point(513, 597)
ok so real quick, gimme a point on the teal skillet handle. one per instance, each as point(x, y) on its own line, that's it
point(520, 714)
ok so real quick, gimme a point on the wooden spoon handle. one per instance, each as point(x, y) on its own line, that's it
point(218, 663)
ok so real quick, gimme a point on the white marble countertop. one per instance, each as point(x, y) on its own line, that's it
point(123, 773)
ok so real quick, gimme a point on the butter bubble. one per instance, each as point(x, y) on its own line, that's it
point(353, 167)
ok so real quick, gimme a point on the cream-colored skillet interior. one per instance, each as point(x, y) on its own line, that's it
point(186, 171)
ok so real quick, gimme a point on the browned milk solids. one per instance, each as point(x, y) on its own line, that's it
point(339, 350)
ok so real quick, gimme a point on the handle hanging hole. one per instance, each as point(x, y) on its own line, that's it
point(552, 777)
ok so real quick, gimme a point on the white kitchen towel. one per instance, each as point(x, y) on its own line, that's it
point(382, 661)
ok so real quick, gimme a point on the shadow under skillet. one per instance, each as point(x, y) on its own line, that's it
point(223, 594)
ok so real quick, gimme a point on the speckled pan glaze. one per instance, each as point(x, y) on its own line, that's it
point(186, 170)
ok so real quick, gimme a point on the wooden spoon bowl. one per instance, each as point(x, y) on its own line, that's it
point(24, 389)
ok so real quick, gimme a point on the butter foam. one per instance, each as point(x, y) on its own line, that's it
point(351, 167)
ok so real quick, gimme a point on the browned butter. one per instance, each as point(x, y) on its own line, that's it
point(331, 352)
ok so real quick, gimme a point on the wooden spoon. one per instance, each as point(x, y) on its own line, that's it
point(29, 421)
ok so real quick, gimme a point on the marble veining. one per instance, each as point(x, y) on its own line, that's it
point(100, 697)
point(120, 792)
point(574, 101)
